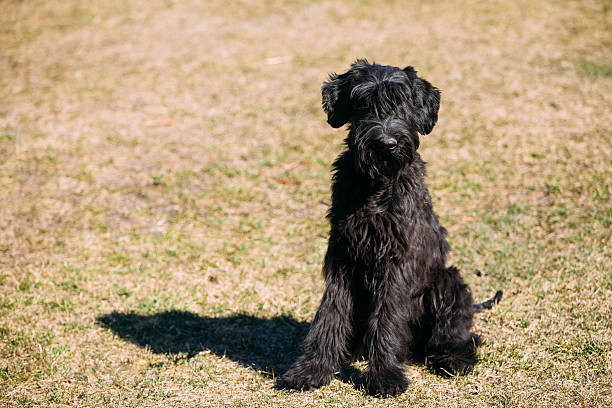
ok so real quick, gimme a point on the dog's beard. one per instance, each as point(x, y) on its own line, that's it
point(377, 165)
point(377, 162)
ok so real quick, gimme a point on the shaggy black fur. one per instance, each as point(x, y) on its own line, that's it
point(389, 295)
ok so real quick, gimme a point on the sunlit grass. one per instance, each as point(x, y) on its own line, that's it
point(164, 176)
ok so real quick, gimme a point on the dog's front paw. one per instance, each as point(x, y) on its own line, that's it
point(388, 383)
point(304, 378)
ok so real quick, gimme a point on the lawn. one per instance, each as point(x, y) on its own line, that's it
point(164, 179)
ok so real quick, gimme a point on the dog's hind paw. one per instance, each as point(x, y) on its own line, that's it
point(456, 359)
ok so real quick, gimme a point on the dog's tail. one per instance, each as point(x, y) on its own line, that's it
point(488, 304)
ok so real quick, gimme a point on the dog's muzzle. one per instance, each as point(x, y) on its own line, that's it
point(384, 134)
point(380, 140)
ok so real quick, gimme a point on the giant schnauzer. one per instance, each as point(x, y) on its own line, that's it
point(389, 295)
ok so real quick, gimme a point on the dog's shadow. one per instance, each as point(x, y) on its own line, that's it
point(268, 346)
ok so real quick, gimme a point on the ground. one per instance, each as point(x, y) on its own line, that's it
point(164, 178)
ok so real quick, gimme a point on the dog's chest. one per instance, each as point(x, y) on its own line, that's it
point(378, 230)
point(394, 222)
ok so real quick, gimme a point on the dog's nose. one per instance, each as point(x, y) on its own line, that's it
point(389, 142)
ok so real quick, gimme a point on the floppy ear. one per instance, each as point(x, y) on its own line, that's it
point(425, 102)
point(336, 99)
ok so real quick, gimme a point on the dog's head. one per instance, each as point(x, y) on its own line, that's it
point(386, 107)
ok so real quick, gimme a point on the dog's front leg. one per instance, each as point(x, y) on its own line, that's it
point(386, 339)
point(325, 348)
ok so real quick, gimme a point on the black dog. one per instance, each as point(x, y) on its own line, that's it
point(389, 294)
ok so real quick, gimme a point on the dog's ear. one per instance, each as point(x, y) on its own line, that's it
point(336, 99)
point(425, 102)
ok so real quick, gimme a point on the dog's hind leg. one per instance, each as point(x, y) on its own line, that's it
point(451, 349)
point(325, 348)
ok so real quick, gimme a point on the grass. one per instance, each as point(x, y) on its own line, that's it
point(164, 174)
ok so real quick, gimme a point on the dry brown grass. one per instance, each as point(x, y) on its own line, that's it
point(172, 156)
